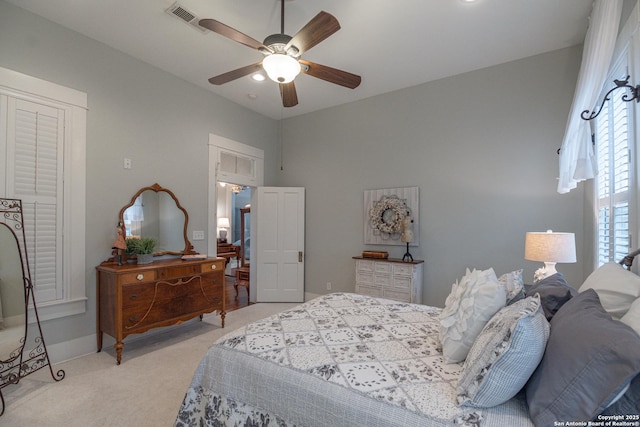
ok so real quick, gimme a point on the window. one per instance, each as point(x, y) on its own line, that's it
point(42, 153)
point(613, 181)
point(615, 137)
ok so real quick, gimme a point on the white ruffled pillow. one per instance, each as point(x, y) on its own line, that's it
point(472, 302)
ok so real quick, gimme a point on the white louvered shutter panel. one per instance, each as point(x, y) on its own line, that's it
point(613, 153)
point(36, 152)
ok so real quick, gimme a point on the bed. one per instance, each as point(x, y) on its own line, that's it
point(346, 359)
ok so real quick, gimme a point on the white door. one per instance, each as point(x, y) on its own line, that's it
point(279, 266)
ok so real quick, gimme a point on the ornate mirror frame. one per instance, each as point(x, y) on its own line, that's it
point(188, 247)
point(31, 353)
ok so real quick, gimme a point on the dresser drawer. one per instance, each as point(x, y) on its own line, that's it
point(382, 279)
point(402, 282)
point(178, 271)
point(139, 277)
point(364, 265)
point(383, 267)
point(144, 305)
point(212, 266)
point(403, 269)
point(138, 294)
point(364, 277)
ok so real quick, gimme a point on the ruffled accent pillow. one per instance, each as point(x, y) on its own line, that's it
point(513, 285)
point(505, 354)
point(472, 302)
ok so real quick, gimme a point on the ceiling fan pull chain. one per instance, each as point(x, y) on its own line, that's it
point(282, 18)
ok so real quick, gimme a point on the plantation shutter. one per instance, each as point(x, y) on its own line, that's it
point(613, 153)
point(35, 146)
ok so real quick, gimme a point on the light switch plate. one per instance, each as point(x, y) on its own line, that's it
point(198, 235)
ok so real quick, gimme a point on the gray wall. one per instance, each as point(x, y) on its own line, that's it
point(481, 147)
point(137, 111)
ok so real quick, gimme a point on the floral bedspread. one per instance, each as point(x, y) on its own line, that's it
point(340, 359)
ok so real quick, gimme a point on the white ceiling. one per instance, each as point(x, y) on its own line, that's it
point(391, 44)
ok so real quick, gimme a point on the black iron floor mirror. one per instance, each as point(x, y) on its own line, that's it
point(22, 348)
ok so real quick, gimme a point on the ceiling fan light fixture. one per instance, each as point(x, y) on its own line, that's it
point(281, 68)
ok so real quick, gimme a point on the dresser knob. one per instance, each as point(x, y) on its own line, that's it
point(140, 276)
point(133, 319)
point(213, 266)
point(133, 297)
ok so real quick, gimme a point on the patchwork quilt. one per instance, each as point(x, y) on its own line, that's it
point(340, 359)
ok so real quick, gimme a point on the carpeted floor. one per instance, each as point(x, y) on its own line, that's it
point(145, 390)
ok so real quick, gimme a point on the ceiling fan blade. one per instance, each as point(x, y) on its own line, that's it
point(235, 74)
point(231, 33)
point(332, 75)
point(319, 28)
point(288, 94)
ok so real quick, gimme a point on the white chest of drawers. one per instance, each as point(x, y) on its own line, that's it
point(389, 278)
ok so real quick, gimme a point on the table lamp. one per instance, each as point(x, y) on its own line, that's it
point(549, 247)
point(223, 224)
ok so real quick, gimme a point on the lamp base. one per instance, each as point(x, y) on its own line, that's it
point(549, 269)
point(407, 256)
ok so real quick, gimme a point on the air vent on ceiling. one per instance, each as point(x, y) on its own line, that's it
point(184, 15)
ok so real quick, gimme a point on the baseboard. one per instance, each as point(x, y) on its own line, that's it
point(79, 347)
point(309, 296)
point(72, 349)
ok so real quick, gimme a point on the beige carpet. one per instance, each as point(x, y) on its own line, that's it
point(145, 390)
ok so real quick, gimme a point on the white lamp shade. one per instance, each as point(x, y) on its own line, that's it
point(281, 68)
point(223, 223)
point(550, 246)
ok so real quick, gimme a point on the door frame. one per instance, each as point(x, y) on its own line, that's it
point(216, 145)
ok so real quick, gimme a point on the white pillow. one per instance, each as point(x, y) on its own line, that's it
point(513, 284)
point(504, 355)
point(632, 317)
point(472, 302)
point(616, 287)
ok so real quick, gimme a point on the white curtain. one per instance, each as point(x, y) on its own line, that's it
point(577, 158)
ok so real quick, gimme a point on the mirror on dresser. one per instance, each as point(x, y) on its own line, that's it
point(155, 212)
point(22, 347)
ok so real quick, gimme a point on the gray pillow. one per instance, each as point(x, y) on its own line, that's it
point(554, 293)
point(589, 359)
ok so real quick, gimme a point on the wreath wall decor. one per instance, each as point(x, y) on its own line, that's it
point(386, 216)
point(384, 212)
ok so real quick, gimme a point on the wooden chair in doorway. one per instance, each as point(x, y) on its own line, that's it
point(243, 272)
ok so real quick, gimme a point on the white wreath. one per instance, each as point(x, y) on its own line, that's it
point(399, 209)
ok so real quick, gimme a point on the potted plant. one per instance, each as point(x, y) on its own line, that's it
point(142, 248)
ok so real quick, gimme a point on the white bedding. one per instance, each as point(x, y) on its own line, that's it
point(340, 359)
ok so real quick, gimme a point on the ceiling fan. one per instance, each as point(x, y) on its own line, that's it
point(282, 61)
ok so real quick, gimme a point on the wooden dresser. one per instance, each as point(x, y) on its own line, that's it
point(390, 278)
point(134, 298)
